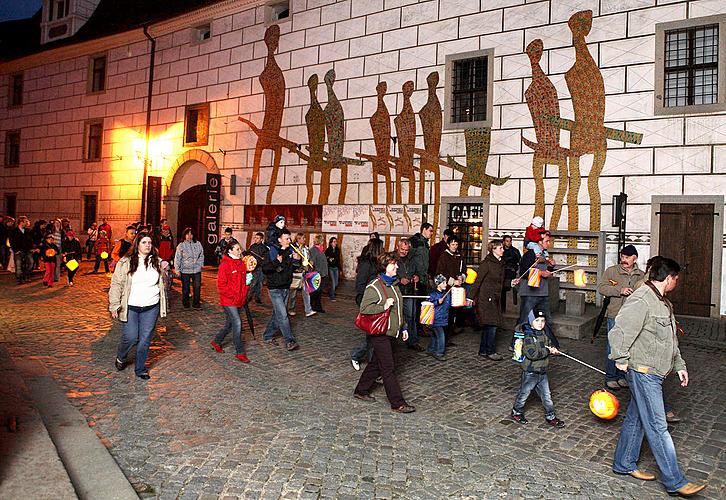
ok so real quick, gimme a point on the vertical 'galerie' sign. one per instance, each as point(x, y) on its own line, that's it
point(211, 210)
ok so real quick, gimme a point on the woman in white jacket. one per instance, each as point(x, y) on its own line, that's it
point(188, 263)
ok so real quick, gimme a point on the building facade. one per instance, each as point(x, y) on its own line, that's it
point(444, 110)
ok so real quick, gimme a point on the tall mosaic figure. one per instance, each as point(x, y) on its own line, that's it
point(431, 118)
point(315, 122)
point(381, 128)
point(405, 124)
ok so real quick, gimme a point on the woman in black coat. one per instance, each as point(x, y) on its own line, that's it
point(486, 292)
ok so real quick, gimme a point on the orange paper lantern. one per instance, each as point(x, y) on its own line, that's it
point(250, 262)
point(580, 278)
point(604, 404)
point(50, 253)
point(535, 276)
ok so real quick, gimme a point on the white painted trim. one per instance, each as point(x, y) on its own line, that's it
point(718, 203)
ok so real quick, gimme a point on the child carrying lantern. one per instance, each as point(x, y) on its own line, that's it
point(48, 252)
point(536, 349)
point(102, 248)
point(440, 301)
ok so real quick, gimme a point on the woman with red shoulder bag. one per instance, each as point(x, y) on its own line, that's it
point(232, 286)
point(382, 297)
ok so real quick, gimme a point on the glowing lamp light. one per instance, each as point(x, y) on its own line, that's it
point(104, 255)
point(72, 264)
point(535, 276)
point(580, 278)
point(50, 253)
point(604, 405)
point(470, 276)
point(250, 262)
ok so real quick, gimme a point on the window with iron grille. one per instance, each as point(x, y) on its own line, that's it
point(12, 148)
point(93, 142)
point(469, 79)
point(196, 127)
point(97, 74)
point(16, 90)
point(690, 65)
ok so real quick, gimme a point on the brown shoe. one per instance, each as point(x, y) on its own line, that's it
point(688, 490)
point(364, 397)
point(642, 475)
point(404, 408)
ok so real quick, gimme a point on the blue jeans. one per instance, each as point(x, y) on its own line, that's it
point(541, 385)
point(438, 341)
point(232, 322)
point(409, 313)
point(611, 372)
point(488, 343)
point(362, 351)
point(334, 274)
point(279, 319)
point(646, 416)
point(292, 300)
point(138, 329)
point(529, 303)
point(196, 281)
point(23, 265)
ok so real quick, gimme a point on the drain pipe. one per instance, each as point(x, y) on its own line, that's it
point(152, 59)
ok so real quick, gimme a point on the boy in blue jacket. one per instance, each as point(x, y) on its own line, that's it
point(536, 351)
point(442, 302)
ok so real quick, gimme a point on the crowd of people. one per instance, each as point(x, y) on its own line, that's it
point(390, 288)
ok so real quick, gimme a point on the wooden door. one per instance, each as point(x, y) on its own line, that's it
point(686, 235)
point(191, 214)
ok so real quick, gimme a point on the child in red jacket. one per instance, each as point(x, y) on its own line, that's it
point(232, 286)
point(48, 253)
point(533, 235)
point(102, 246)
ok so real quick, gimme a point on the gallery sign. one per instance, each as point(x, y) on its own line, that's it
point(211, 209)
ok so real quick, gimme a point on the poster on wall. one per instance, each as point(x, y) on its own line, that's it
point(361, 221)
point(380, 219)
point(330, 219)
point(414, 215)
point(345, 218)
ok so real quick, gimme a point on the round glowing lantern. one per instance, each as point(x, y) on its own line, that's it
point(50, 252)
point(470, 276)
point(580, 278)
point(250, 262)
point(104, 255)
point(604, 405)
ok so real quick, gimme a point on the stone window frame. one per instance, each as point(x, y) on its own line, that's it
point(11, 90)
point(271, 15)
point(448, 91)
point(6, 157)
point(87, 140)
point(202, 138)
point(6, 204)
point(658, 95)
point(91, 71)
point(196, 32)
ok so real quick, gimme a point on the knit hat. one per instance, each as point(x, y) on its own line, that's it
point(629, 251)
point(440, 278)
point(538, 222)
point(534, 314)
point(279, 217)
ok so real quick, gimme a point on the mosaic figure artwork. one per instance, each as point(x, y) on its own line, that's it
point(315, 123)
point(541, 97)
point(478, 141)
point(335, 130)
point(272, 81)
point(405, 124)
point(381, 162)
point(431, 117)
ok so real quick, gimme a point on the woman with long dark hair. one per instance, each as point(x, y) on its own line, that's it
point(188, 262)
point(233, 288)
point(332, 253)
point(365, 272)
point(137, 298)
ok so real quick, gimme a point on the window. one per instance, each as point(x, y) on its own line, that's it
point(11, 204)
point(196, 126)
point(93, 140)
point(97, 74)
point(277, 11)
point(12, 148)
point(90, 202)
point(16, 90)
point(201, 33)
point(468, 90)
point(690, 65)
point(58, 9)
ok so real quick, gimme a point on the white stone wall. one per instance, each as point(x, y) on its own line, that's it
point(366, 41)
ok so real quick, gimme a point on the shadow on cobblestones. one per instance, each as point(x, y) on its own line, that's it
point(286, 426)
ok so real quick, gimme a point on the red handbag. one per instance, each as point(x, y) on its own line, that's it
point(374, 324)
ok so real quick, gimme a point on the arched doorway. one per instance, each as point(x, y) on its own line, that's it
point(186, 196)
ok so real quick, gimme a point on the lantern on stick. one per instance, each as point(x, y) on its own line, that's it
point(604, 404)
point(580, 278)
point(72, 264)
point(250, 262)
point(470, 276)
point(104, 255)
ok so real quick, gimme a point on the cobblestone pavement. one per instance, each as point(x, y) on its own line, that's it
point(286, 426)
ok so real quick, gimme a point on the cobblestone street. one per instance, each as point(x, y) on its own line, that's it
point(287, 426)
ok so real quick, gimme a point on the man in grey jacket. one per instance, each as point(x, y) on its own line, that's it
point(644, 345)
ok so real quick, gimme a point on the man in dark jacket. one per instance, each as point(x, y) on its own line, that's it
point(259, 251)
point(437, 250)
point(278, 271)
point(21, 241)
point(511, 260)
point(420, 256)
point(406, 285)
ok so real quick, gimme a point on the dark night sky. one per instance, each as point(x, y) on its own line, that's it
point(18, 9)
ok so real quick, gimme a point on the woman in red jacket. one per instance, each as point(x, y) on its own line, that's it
point(232, 287)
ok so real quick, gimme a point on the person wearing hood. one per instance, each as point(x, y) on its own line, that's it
point(486, 292)
point(233, 288)
point(273, 233)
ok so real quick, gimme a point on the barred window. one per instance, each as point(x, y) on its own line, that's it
point(691, 66)
point(469, 81)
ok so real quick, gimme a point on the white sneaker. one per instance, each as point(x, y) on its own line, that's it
point(356, 365)
point(291, 313)
point(311, 313)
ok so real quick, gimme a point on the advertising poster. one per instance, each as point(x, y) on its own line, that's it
point(380, 219)
point(345, 218)
point(330, 219)
point(361, 221)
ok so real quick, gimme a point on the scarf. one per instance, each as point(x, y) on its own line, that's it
point(388, 280)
